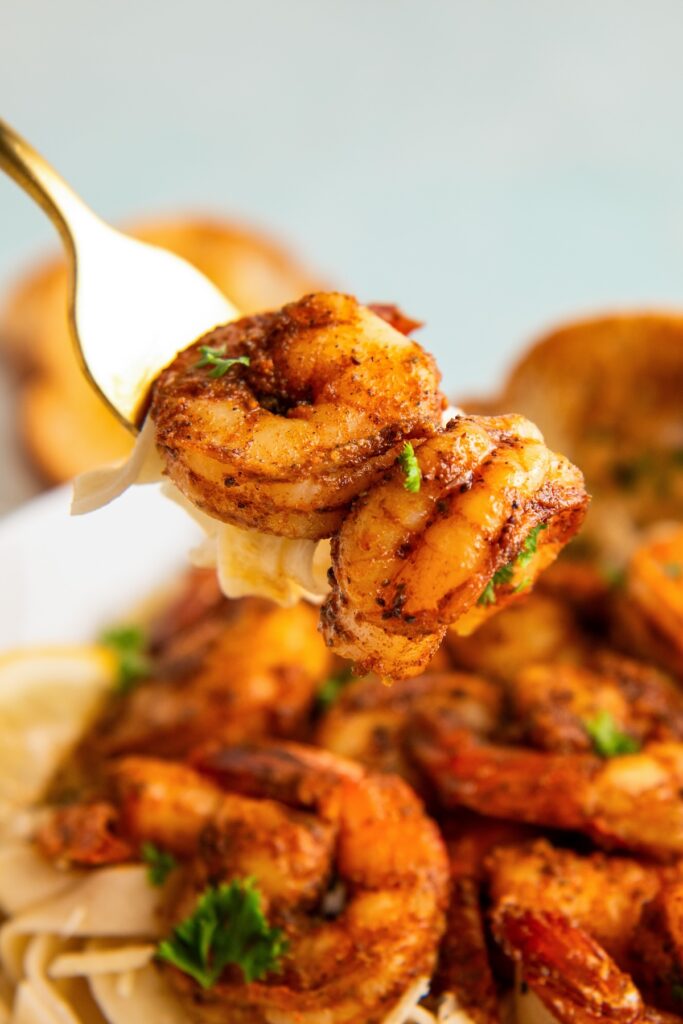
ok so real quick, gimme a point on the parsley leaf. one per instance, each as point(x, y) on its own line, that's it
point(488, 595)
point(227, 926)
point(409, 464)
point(332, 687)
point(159, 863)
point(128, 644)
point(216, 358)
point(607, 738)
point(530, 545)
point(506, 572)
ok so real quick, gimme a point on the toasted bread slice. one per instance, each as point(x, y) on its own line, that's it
point(66, 428)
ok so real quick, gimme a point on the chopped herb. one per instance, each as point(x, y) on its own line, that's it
point(503, 575)
point(487, 596)
point(227, 926)
point(530, 545)
point(160, 863)
point(674, 570)
point(607, 738)
point(332, 687)
point(506, 573)
point(410, 466)
point(500, 577)
point(221, 363)
point(522, 585)
point(128, 644)
point(614, 576)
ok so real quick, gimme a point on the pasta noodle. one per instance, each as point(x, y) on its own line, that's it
point(247, 562)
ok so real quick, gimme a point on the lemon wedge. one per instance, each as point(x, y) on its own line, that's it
point(48, 697)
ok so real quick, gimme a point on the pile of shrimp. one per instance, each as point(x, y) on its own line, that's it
point(497, 837)
point(505, 829)
point(325, 420)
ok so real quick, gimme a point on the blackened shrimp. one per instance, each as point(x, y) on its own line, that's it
point(298, 820)
point(371, 722)
point(650, 611)
point(494, 508)
point(558, 707)
point(603, 894)
point(630, 802)
point(464, 969)
point(249, 670)
point(584, 928)
point(571, 973)
point(283, 445)
point(538, 628)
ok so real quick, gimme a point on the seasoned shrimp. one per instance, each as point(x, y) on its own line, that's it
point(537, 628)
point(657, 949)
point(299, 820)
point(494, 508)
point(633, 801)
point(371, 722)
point(464, 969)
point(284, 444)
point(652, 604)
point(566, 968)
point(248, 670)
point(607, 391)
point(602, 894)
point(556, 703)
point(575, 923)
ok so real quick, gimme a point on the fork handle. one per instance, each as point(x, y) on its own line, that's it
point(43, 184)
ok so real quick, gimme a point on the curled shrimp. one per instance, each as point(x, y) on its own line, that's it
point(584, 928)
point(537, 628)
point(408, 565)
point(371, 722)
point(652, 604)
point(283, 445)
point(605, 895)
point(567, 969)
point(298, 820)
point(555, 704)
point(631, 802)
point(251, 669)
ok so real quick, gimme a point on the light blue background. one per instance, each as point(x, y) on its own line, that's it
point(493, 166)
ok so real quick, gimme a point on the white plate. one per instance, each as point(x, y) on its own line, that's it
point(63, 578)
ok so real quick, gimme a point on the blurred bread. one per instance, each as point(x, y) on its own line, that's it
point(65, 428)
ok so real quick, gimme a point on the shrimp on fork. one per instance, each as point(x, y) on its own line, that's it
point(494, 508)
point(313, 404)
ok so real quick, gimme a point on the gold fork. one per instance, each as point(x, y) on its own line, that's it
point(132, 306)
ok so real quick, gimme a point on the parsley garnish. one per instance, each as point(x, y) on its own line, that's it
point(216, 358)
point(159, 863)
point(227, 926)
point(128, 644)
point(607, 738)
point(332, 687)
point(506, 572)
point(530, 545)
point(615, 577)
point(410, 466)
